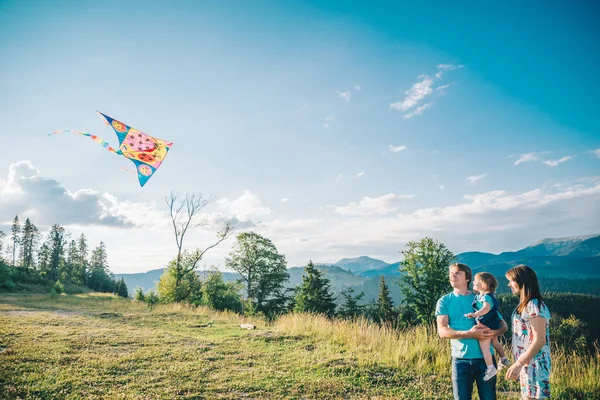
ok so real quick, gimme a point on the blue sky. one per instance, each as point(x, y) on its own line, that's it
point(336, 129)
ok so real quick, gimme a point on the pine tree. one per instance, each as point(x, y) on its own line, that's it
point(385, 308)
point(100, 278)
point(313, 294)
point(2, 234)
point(69, 271)
point(121, 288)
point(351, 308)
point(82, 262)
point(57, 247)
point(44, 260)
point(15, 229)
point(29, 240)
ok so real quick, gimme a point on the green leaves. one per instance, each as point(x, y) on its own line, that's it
point(263, 272)
point(425, 276)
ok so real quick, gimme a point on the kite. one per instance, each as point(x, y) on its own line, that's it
point(145, 151)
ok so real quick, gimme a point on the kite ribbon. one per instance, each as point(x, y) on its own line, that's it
point(95, 138)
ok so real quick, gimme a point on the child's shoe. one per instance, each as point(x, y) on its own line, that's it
point(503, 363)
point(490, 372)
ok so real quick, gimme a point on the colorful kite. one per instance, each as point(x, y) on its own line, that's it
point(145, 151)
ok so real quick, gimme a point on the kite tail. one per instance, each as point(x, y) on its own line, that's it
point(95, 138)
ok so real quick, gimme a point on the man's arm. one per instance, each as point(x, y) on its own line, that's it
point(476, 332)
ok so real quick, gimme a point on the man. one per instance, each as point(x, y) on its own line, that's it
point(468, 365)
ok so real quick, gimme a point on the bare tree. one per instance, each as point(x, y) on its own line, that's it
point(185, 213)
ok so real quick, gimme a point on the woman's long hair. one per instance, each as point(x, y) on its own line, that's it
point(527, 280)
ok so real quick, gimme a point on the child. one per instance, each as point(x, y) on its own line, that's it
point(486, 312)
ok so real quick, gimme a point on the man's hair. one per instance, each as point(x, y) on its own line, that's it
point(464, 268)
point(489, 281)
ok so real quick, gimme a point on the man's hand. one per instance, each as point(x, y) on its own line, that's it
point(480, 332)
point(470, 315)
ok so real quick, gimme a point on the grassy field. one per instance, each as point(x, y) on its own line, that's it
point(97, 346)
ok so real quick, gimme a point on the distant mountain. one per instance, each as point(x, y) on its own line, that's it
point(388, 270)
point(145, 280)
point(475, 258)
point(577, 246)
point(361, 264)
point(563, 258)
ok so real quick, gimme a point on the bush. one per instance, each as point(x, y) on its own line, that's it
point(151, 298)
point(139, 295)
point(6, 272)
point(570, 334)
point(220, 295)
point(57, 288)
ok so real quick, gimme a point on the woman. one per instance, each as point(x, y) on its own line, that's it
point(530, 335)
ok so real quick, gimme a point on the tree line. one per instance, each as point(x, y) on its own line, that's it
point(55, 259)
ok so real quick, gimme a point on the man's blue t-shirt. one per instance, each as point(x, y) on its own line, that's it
point(455, 306)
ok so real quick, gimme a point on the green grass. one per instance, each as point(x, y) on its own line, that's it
point(93, 346)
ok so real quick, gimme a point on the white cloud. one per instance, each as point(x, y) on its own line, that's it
point(396, 149)
point(330, 119)
point(374, 206)
point(418, 111)
point(449, 67)
point(421, 89)
point(360, 174)
point(357, 88)
point(285, 200)
point(442, 88)
point(475, 178)
point(493, 221)
point(597, 152)
point(441, 187)
point(244, 208)
point(527, 157)
point(417, 92)
point(554, 163)
point(442, 68)
point(347, 95)
point(48, 202)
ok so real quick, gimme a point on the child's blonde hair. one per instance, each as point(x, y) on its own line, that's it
point(488, 280)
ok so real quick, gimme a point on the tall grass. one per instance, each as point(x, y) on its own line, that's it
point(419, 349)
point(575, 376)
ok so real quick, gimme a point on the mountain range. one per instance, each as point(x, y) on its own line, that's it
point(558, 263)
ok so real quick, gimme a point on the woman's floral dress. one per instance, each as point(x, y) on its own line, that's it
point(535, 377)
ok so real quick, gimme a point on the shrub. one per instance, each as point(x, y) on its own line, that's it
point(57, 288)
point(139, 294)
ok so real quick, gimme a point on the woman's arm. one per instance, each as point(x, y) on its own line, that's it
point(478, 332)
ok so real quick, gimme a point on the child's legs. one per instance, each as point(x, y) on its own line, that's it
point(498, 347)
point(484, 345)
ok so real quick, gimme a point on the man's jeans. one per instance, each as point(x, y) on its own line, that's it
point(465, 372)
